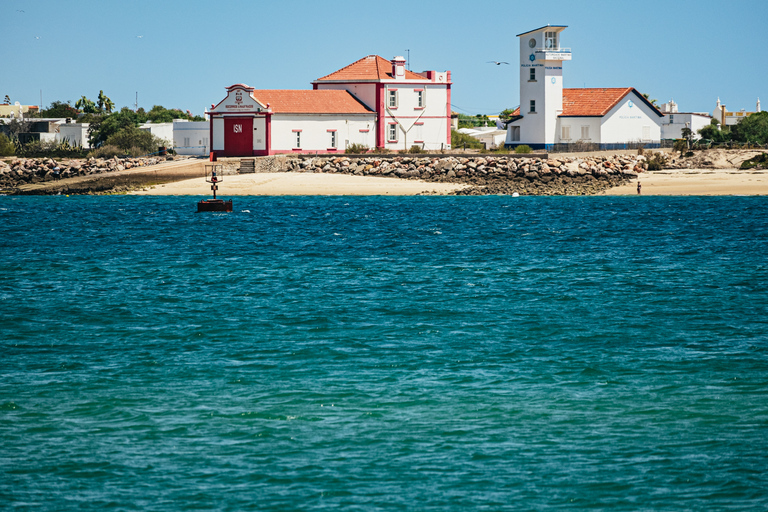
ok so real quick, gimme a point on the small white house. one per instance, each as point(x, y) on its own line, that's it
point(191, 137)
point(163, 131)
point(490, 136)
point(76, 134)
point(674, 122)
point(611, 118)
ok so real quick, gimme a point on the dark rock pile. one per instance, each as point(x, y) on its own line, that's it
point(34, 170)
point(489, 174)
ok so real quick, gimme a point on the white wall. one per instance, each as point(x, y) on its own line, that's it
point(625, 122)
point(673, 124)
point(315, 135)
point(75, 133)
point(576, 124)
point(162, 131)
point(363, 92)
point(191, 138)
point(426, 126)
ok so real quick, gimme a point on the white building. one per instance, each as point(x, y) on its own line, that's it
point(372, 102)
point(674, 122)
point(726, 118)
point(490, 136)
point(191, 137)
point(611, 118)
point(163, 131)
point(76, 134)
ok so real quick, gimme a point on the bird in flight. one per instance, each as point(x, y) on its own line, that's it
point(497, 62)
point(20, 10)
point(139, 37)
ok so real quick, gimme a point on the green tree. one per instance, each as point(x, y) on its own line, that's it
point(104, 104)
point(505, 114)
point(101, 128)
point(753, 128)
point(652, 101)
point(7, 147)
point(7, 100)
point(60, 109)
point(131, 137)
point(86, 106)
point(712, 132)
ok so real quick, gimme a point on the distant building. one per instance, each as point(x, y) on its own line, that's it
point(17, 110)
point(549, 115)
point(76, 134)
point(191, 137)
point(726, 118)
point(674, 122)
point(490, 136)
point(372, 102)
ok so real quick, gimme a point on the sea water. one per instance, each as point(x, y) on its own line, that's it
point(422, 353)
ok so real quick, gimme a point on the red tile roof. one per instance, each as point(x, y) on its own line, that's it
point(596, 102)
point(372, 67)
point(310, 102)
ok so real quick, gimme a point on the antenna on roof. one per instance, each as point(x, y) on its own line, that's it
point(409, 59)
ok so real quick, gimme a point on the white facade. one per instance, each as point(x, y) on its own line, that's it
point(191, 137)
point(491, 137)
point(328, 133)
point(76, 134)
point(673, 123)
point(541, 87)
point(726, 118)
point(413, 109)
point(163, 131)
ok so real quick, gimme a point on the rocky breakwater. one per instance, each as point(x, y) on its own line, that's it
point(490, 174)
point(22, 171)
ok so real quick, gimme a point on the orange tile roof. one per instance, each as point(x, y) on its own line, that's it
point(372, 67)
point(594, 102)
point(310, 102)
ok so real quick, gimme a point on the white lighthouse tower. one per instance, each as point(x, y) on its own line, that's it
point(541, 87)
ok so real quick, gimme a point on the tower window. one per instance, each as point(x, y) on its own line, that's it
point(550, 40)
point(533, 75)
point(533, 107)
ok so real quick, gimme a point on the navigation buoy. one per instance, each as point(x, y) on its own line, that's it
point(213, 176)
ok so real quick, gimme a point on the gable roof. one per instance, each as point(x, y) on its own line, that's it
point(310, 102)
point(597, 102)
point(369, 68)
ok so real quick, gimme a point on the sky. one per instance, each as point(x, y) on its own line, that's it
point(183, 54)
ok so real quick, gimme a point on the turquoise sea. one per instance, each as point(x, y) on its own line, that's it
point(421, 353)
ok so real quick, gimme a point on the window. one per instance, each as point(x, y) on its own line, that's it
point(393, 98)
point(671, 119)
point(419, 135)
point(420, 99)
point(186, 142)
point(333, 139)
point(646, 133)
point(550, 40)
point(297, 143)
point(533, 107)
point(393, 133)
point(585, 133)
point(533, 75)
point(566, 133)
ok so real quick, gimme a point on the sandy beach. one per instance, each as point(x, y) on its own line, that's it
point(678, 182)
point(697, 182)
point(299, 184)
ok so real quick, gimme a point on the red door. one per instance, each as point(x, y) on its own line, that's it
point(238, 136)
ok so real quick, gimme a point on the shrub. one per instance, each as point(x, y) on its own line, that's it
point(356, 149)
point(106, 151)
point(463, 140)
point(6, 146)
point(417, 149)
point(523, 149)
point(657, 162)
point(760, 162)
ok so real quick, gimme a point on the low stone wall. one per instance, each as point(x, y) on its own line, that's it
point(489, 174)
point(22, 171)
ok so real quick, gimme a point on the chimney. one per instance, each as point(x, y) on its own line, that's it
point(398, 68)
